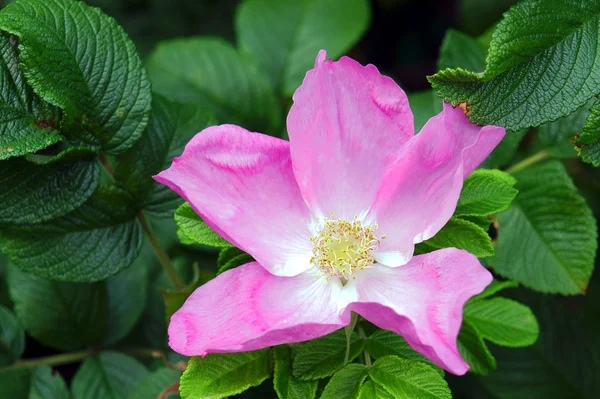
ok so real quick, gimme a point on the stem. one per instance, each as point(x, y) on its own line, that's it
point(531, 160)
point(362, 334)
point(55, 360)
point(348, 329)
point(104, 161)
point(160, 252)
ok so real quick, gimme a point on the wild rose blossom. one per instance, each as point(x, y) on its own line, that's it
point(332, 217)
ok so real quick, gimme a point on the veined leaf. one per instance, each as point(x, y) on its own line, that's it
point(210, 73)
point(588, 143)
point(407, 379)
point(93, 242)
point(371, 390)
point(503, 321)
point(27, 124)
point(324, 356)
point(286, 385)
point(12, 337)
point(230, 258)
point(155, 383)
point(195, 229)
point(285, 36)
point(346, 383)
point(108, 375)
point(47, 385)
point(485, 192)
point(547, 239)
point(462, 234)
point(79, 59)
point(220, 375)
point(536, 72)
point(474, 351)
point(461, 51)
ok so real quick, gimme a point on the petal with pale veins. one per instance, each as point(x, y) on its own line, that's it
point(248, 308)
point(242, 184)
point(420, 189)
point(423, 301)
point(346, 124)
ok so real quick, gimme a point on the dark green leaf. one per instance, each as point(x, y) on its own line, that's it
point(424, 105)
point(27, 124)
point(220, 375)
point(462, 234)
point(37, 193)
point(588, 142)
point(12, 337)
point(286, 385)
point(503, 321)
point(505, 151)
point(474, 351)
point(47, 385)
point(109, 375)
point(14, 384)
point(232, 257)
point(171, 127)
point(82, 61)
point(485, 192)
point(175, 298)
point(155, 383)
point(126, 295)
point(537, 71)
point(547, 239)
point(407, 379)
point(64, 316)
point(210, 73)
point(322, 357)
point(93, 242)
point(460, 51)
point(495, 287)
point(346, 383)
point(383, 343)
point(285, 36)
point(195, 229)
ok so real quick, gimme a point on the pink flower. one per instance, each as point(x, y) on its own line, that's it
point(332, 217)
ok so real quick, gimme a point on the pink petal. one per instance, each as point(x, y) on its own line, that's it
point(422, 185)
point(248, 308)
point(346, 124)
point(423, 301)
point(243, 186)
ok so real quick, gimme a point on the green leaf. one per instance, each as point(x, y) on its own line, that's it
point(82, 61)
point(322, 357)
point(485, 192)
point(407, 379)
point(220, 375)
point(588, 142)
point(536, 72)
point(286, 385)
point(495, 287)
point(63, 316)
point(37, 193)
point(47, 385)
point(503, 321)
point(474, 351)
point(210, 73)
point(383, 343)
point(285, 36)
point(556, 138)
point(171, 127)
point(461, 51)
point(553, 367)
point(175, 298)
point(547, 239)
point(346, 383)
point(12, 337)
point(155, 383)
point(371, 390)
point(462, 234)
point(14, 384)
point(193, 227)
point(95, 241)
point(109, 375)
point(126, 295)
point(27, 124)
point(505, 151)
point(232, 257)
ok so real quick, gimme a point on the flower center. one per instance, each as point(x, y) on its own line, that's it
point(341, 248)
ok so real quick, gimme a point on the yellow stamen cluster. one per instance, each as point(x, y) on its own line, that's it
point(342, 248)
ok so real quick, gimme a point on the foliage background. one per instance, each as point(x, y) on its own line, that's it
point(403, 39)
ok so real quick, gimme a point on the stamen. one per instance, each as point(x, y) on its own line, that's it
point(342, 248)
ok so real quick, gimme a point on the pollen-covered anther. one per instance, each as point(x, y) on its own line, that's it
point(341, 248)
